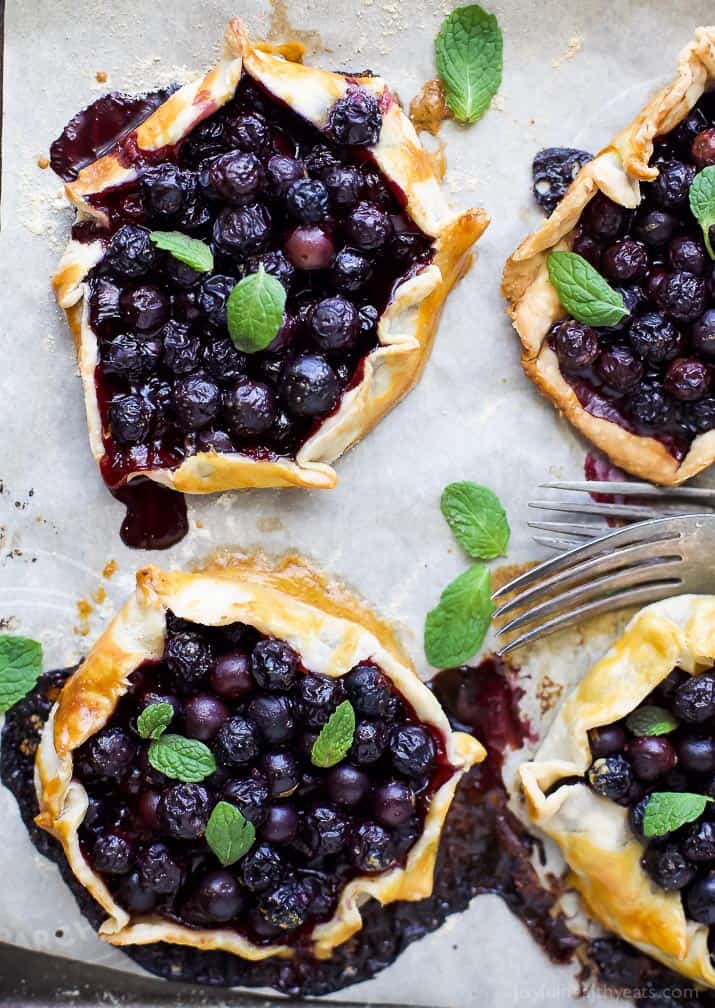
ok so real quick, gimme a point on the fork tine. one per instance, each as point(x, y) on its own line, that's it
point(656, 571)
point(636, 596)
point(636, 511)
point(571, 528)
point(640, 555)
point(659, 530)
point(632, 489)
point(551, 542)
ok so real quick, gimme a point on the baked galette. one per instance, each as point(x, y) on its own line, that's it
point(624, 783)
point(198, 771)
point(642, 389)
point(318, 179)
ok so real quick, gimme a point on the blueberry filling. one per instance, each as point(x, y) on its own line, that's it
point(629, 768)
point(261, 187)
point(250, 699)
point(652, 373)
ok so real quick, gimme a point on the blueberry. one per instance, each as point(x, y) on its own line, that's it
point(145, 308)
point(350, 271)
point(237, 742)
point(282, 171)
point(317, 698)
point(355, 119)
point(280, 825)
point(374, 190)
point(323, 893)
point(553, 170)
point(130, 419)
point(611, 776)
point(214, 440)
point(699, 842)
point(189, 657)
point(286, 906)
point(650, 406)
point(250, 796)
point(702, 149)
point(204, 715)
point(231, 677)
point(217, 895)
point(213, 296)
point(130, 356)
point(694, 701)
point(393, 803)
point(700, 900)
point(319, 159)
point(683, 296)
point(222, 360)
point(181, 349)
point(205, 141)
point(607, 741)
point(104, 300)
point(236, 177)
point(625, 260)
point(111, 752)
point(654, 338)
point(250, 408)
point(162, 190)
point(656, 227)
point(347, 785)
point(369, 316)
point(184, 810)
point(412, 750)
point(283, 433)
point(702, 415)
point(636, 814)
point(158, 870)
point(372, 848)
point(249, 133)
point(195, 215)
point(112, 854)
point(688, 129)
point(619, 369)
point(651, 757)
point(343, 183)
point(196, 401)
point(276, 264)
point(703, 334)
point(181, 274)
point(589, 248)
point(334, 324)
point(307, 201)
point(282, 772)
point(134, 896)
point(261, 868)
point(672, 187)
point(325, 830)
point(131, 252)
point(667, 866)
point(687, 379)
point(687, 254)
point(406, 246)
point(369, 690)
point(654, 284)
point(309, 385)
point(370, 741)
point(576, 345)
point(273, 715)
point(310, 248)
point(368, 227)
point(243, 231)
point(603, 218)
point(668, 687)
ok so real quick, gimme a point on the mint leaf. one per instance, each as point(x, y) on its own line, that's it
point(666, 811)
point(651, 720)
point(254, 311)
point(229, 834)
point(336, 737)
point(455, 629)
point(582, 290)
point(182, 759)
point(191, 251)
point(154, 720)
point(20, 668)
point(702, 203)
point(468, 49)
point(477, 519)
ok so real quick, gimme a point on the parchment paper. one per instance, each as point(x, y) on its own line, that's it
point(573, 75)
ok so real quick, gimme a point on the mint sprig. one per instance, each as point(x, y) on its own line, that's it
point(20, 668)
point(583, 291)
point(477, 519)
point(254, 311)
point(229, 834)
point(702, 203)
point(182, 759)
point(335, 738)
point(468, 51)
point(190, 251)
point(651, 720)
point(154, 720)
point(667, 811)
point(456, 627)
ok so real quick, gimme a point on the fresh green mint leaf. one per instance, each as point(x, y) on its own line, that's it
point(702, 203)
point(651, 720)
point(582, 290)
point(455, 629)
point(190, 251)
point(182, 759)
point(154, 720)
point(477, 519)
point(254, 311)
point(336, 737)
point(667, 811)
point(468, 49)
point(229, 834)
point(20, 668)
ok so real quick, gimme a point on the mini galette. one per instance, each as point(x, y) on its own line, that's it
point(642, 390)
point(316, 177)
point(624, 783)
point(247, 663)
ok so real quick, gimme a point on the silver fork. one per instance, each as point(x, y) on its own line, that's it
point(642, 563)
point(662, 501)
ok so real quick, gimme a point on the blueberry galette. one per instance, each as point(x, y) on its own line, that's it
point(244, 758)
point(624, 782)
point(264, 167)
point(641, 388)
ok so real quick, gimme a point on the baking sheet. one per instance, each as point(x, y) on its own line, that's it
point(573, 75)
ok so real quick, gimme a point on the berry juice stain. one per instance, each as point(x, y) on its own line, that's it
point(156, 516)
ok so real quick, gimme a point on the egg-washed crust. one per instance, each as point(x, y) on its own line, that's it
point(593, 833)
point(407, 327)
point(533, 304)
point(331, 630)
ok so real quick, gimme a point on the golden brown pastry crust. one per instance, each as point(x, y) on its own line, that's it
point(407, 327)
point(534, 305)
point(330, 628)
point(593, 833)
